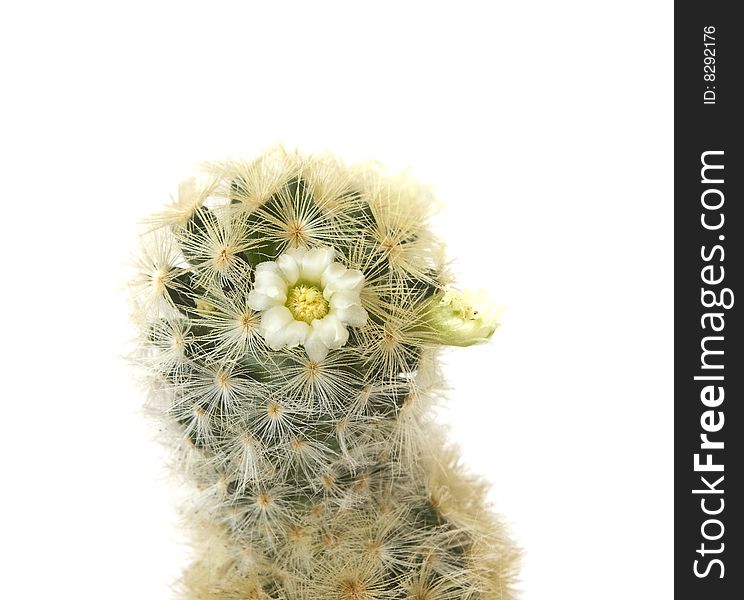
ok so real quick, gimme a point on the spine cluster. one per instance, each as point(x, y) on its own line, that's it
point(291, 312)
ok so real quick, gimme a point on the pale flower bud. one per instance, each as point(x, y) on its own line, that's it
point(461, 318)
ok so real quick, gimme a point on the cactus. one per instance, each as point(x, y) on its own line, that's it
point(292, 310)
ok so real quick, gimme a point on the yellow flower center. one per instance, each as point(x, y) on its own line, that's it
point(459, 306)
point(306, 302)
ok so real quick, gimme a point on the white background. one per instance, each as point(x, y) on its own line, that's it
point(545, 127)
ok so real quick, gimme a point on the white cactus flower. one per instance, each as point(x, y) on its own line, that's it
point(461, 318)
point(306, 298)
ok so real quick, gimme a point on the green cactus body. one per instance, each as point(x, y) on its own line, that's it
point(319, 472)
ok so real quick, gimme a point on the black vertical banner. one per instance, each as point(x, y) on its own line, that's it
point(709, 299)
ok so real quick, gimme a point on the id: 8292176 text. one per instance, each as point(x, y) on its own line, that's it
point(709, 64)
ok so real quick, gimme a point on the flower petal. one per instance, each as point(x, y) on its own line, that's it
point(315, 262)
point(353, 315)
point(296, 333)
point(344, 299)
point(270, 279)
point(271, 284)
point(331, 331)
point(332, 273)
point(258, 301)
point(268, 266)
point(315, 348)
point(296, 253)
point(352, 280)
point(275, 339)
point(289, 267)
point(275, 318)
